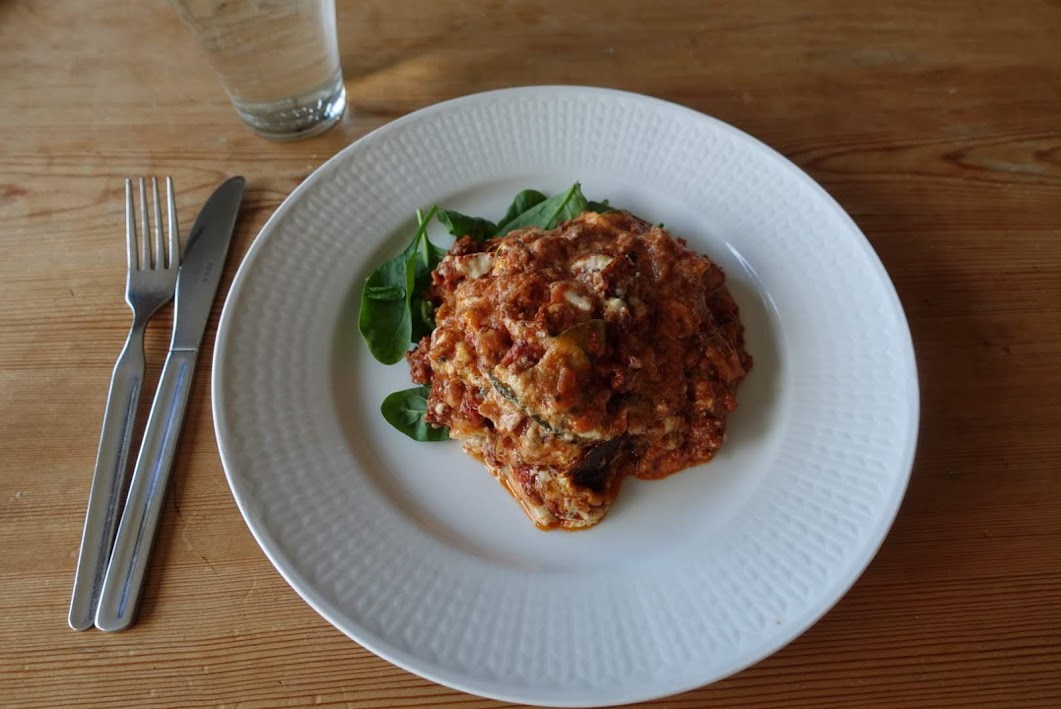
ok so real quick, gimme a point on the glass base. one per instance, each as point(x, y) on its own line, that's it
point(296, 117)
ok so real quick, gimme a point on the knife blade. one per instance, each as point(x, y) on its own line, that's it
point(197, 282)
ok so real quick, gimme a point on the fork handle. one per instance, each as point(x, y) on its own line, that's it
point(136, 533)
point(108, 479)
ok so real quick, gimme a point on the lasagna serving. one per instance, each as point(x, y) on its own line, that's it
point(566, 360)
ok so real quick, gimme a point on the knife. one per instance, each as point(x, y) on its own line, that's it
point(197, 281)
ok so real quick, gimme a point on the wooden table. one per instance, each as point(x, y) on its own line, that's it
point(937, 125)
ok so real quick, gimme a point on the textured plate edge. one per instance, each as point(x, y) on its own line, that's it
point(380, 646)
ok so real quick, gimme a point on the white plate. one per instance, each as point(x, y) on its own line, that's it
point(414, 551)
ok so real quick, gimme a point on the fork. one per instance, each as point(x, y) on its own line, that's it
point(150, 284)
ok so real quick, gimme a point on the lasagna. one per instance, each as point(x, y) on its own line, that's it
point(566, 360)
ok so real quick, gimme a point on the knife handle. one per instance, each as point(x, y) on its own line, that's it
point(120, 593)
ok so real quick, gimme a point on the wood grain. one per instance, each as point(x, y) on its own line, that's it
point(935, 124)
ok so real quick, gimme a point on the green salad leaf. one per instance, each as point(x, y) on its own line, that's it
point(422, 310)
point(549, 212)
point(522, 202)
point(462, 225)
point(385, 320)
point(405, 411)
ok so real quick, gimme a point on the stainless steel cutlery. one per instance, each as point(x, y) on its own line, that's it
point(109, 578)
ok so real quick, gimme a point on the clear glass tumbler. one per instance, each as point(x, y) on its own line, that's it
point(278, 61)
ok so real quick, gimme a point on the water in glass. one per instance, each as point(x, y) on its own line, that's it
point(278, 60)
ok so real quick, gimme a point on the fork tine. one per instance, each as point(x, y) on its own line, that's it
point(174, 255)
point(160, 255)
point(130, 225)
point(145, 230)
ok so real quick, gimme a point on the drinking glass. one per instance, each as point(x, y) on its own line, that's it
point(278, 61)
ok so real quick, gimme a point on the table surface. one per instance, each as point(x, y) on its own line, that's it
point(934, 124)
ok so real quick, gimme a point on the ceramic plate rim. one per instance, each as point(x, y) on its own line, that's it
point(379, 645)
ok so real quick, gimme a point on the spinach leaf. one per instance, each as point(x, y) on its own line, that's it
point(405, 411)
point(422, 312)
point(598, 207)
point(434, 256)
point(421, 309)
point(550, 212)
point(428, 256)
point(384, 293)
point(520, 204)
point(462, 225)
point(385, 320)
